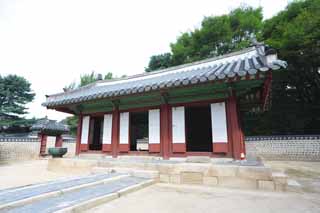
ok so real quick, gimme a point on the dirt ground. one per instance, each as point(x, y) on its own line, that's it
point(163, 198)
point(305, 174)
point(26, 173)
point(304, 196)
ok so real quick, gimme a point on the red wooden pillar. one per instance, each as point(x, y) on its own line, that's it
point(43, 144)
point(165, 130)
point(235, 131)
point(79, 129)
point(59, 141)
point(115, 130)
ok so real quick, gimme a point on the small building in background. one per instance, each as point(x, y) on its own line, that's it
point(46, 127)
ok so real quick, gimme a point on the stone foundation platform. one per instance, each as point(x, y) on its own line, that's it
point(195, 170)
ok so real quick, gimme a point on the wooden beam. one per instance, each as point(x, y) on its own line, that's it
point(79, 130)
point(115, 129)
point(234, 128)
point(165, 125)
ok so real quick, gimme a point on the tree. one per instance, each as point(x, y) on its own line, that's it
point(159, 62)
point(85, 79)
point(217, 35)
point(296, 93)
point(294, 32)
point(15, 93)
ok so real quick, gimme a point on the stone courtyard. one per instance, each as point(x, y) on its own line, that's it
point(303, 194)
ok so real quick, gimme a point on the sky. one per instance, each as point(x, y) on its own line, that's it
point(52, 42)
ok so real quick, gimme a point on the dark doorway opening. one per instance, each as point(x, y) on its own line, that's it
point(96, 130)
point(198, 128)
point(139, 127)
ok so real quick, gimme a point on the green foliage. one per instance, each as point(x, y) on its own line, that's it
point(72, 121)
point(85, 79)
point(15, 93)
point(88, 78)
point(295, 33)
point(109, 75)
point(161, 61)
point(217, 35)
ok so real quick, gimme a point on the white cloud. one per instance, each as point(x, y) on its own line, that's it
point(52, 42)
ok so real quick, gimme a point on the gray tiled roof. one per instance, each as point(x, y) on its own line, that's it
point(247, 61)
point(44, 125)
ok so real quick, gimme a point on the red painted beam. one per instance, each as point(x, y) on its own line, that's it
point(179, 147)
point(43, 144)
point(266, 91)
point(220, 147)
point(115, 131)
point(59, 141)
point(106, 147)
point(236, 134)
point(154, 148)
point(79, 130)
point(164, 129)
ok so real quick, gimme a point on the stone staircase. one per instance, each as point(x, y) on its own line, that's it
point(71, 194)
point(191, 170)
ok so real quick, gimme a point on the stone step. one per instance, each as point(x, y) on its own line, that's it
point(222, 172)
point(91, 156)
point(152, 174)
point(198, 159)
point(85, 198)
point(22, 195)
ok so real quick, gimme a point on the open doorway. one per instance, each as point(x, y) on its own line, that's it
point(96, 133)
point(139, 135)
point(198, 128)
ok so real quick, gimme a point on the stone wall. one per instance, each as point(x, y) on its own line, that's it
point(17, 149)
point(291, 148)
point(71, 145)
point(26, 148)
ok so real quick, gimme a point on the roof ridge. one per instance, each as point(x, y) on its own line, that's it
point(215, 58)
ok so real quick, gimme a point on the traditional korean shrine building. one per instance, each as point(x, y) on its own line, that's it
point(191, 109)
point(46, 127)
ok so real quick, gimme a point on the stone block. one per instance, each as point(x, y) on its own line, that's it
point(255, 172)
point(210, 181)
point(221, 160)
point(222, 171)
point(165, 168)
point(266, 185)
point(175, 179)
point(190, 167)
point(281, 187)
point(198, 159)
point(146, 174)
point(150, 166)
point(236, 182)
point(191, 178)
point(164, 178)
point(280, 178)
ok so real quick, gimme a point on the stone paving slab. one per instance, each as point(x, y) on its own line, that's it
point(66, 200)
point(20, 193)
